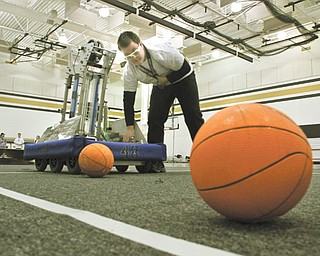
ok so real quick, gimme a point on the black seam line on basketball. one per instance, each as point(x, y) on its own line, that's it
point(98, 162)
point(105, 160)
point(247, 127)
point(253, 174)
point(292, 192)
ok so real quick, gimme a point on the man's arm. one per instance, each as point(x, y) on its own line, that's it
point(175, 75)
point(128, 105)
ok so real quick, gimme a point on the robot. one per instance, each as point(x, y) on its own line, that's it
point(87, 77)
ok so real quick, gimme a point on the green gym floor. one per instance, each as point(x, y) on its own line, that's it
point(139, 214)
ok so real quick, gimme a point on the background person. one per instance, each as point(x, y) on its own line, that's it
point(19, 141)
point(37, 138)
point(3, 142)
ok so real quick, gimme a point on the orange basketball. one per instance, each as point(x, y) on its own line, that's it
point(96, 160)
point(251, 163)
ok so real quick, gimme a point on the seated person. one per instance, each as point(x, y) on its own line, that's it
point(2, 140)
point(36, 140)
point(2, 143)
point(19, 141)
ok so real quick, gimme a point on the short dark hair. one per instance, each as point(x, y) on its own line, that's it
point(125, 39)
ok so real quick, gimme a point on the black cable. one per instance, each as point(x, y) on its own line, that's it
point(210, 26)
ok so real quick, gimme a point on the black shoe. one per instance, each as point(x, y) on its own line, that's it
point(157, 167)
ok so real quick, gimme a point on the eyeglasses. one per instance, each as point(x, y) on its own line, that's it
point(134, 54)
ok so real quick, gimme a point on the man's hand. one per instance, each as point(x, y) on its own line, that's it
point(162, 80)
point(130, 134)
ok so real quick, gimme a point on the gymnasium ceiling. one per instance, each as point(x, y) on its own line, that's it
point(205, 30)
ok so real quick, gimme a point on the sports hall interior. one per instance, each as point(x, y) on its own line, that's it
point(242, 52)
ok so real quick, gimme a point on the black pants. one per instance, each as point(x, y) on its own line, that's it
point(186, 91)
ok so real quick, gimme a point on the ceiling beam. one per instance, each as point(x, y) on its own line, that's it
point(43, 17)
point(174, 27)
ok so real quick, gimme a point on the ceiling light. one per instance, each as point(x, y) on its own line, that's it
point(104, 12)
point(63, 39)
point(215, 54)
point(281, 35)
point(236, 7)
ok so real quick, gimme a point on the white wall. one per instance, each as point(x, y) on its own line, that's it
point(235, 75)
point(30, 123)
point(232, 74)
point(25, 78)
point(34, 79)
point(216, 78)
point(31, 79)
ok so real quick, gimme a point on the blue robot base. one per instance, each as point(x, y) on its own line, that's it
point(58, 153)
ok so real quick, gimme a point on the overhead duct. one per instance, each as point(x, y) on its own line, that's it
point(23, 3)
point(84, 17)
point(139, 22)
point(193, 50)
point(274, 24)
point(116, 20)
point(4, 46)
point(174, 27)
point(70, 7)
point(145, 31)
point(52, 17)
point(61, 60)
point(222, 3)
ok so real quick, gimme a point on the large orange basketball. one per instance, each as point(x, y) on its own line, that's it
point(251, 163)
point(96, 160)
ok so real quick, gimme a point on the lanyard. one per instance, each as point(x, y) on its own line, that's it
point(149, 72)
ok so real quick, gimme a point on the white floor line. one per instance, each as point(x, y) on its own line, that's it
point(13, 172)
point(155, 240)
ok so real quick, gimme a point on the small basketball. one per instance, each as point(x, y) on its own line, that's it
point(251, 163)
point(96, 160)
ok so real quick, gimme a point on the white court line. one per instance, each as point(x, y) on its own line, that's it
point(12, 172)
point(152, 239)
